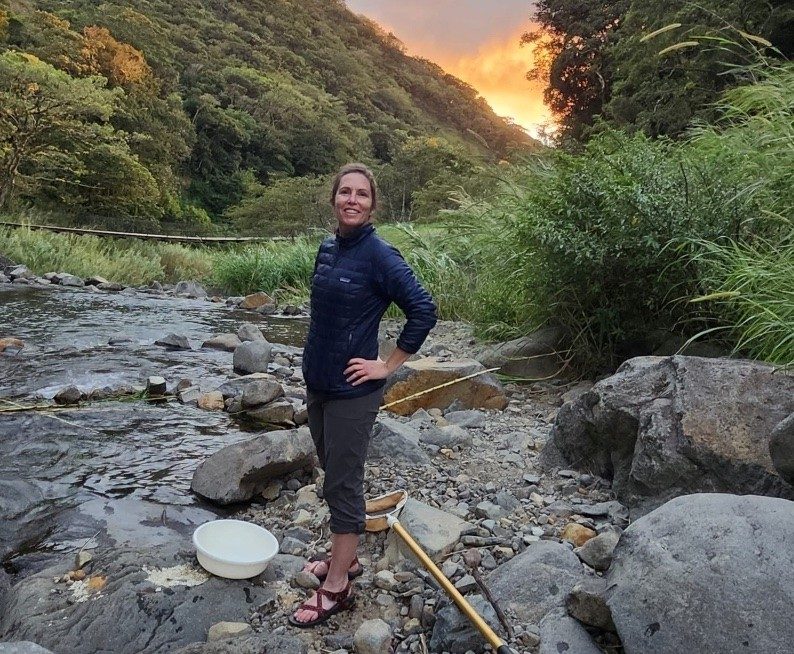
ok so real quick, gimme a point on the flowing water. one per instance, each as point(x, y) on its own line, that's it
point(119, 468)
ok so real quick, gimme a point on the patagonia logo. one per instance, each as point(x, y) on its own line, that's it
point(346, 280)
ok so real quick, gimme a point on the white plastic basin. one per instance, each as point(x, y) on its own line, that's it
point(234, 549)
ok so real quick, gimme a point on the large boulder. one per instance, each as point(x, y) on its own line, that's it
point(535, 356)
point(239, 471)
point(536, 581)
point(483, 391)
point(118, 609)
point(662, 427)
point(781, 448)
point(706, 573)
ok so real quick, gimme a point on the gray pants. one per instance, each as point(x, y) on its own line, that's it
point(341, 430)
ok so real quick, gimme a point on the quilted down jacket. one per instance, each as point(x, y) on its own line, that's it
point(355, 279)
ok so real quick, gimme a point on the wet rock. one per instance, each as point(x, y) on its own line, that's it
point(781, 448)
point(586, 603)
point(22, 647)
point(212, 401)
point(706, 573)
point(252, 356)
point(121, 339)
point(223, 630)
point(532, 357)
point(277, 412)
point(256, 300)
point(373, 637)
point(68, 395)
point(125, 615)
point(190, 289)
point(597, 552)
point(238, 472)
point(536, 581)
point(577, 534)
point(453, 632)
point(249, 332)
point(190, 395)
point(225, 342)
point(395, 441)
point(174, 342)
point(561, 633)
point(111, 286)
point(236, 387)
point(655, 429)
point(261, 391)
point(483, 391)
point(69, 280)
point(155, 386)
point(96, 280)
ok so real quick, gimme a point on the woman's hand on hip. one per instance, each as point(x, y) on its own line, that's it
point(360, 370)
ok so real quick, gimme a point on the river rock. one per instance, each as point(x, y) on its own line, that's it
point(597, 552)
point(577, 534)
point(96, 280)
point(453, 632)
point(561, 633)
point(278, 412)
point(190, 289)
point(223, 630)
point(256, 300)
point(536, 581)
point(262, 643)
point(586, 603)
point(174, 342)
point(155, 386)
point(23, 516)
point(65, 279)
point(706, 573)
point(68, 395)
point(395, 441)
point(23, 647)
point(238, 472)
point(436, 531)
point(252, 356)
point(225, 342)
point(11, 343)
point(483, 391)
point(125, 614)
point(662, 427)
point(111, 286)
point(781, 448)
point(531, 357)
point(261, 391)
point(21, 272)
point(469, 418)
point(212, 401)
point(447, 436)
point(249, 332)
point(373, 637)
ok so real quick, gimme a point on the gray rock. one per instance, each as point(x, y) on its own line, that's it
point(190, 395)
point(507, 501)
point(283, 567)
point(155, 385)
point(263, 643)
point(436, 531)
point(612, 509)
point(447, 436)
point(68, 395)
point(560, 633)
point(655, 429)
point(536, 581)
point(531, 357)
point(453, 632)
point(395, 441)
point(225, 342)
point(261, 391)
point(238, 472)
point(587, 603)
point(236, 387)
point(191, 289)
point(488, 510)
point(174, 341)
point(224, 630)
point(23, 647)
point(111, 286)
point(4, 279)
point(127, 616)
point(706, 573)
point(597, 552)
point(278, 412)
point(120, 339)
point(781, 448)
point(373, 637)
point(469, 418)
point(22, 272)
point(96, 280)
point(252, 356)
point(70, 280)
point(250, 332)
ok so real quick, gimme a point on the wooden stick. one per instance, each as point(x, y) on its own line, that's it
point(499, 613)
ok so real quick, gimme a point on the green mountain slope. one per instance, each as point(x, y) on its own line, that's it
point(213, 97)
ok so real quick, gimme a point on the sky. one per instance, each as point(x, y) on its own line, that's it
point(475, 40)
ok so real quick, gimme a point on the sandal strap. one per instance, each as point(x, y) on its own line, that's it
point(338, 596)
point(317, 607)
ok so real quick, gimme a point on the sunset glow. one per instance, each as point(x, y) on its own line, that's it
point(477, 42)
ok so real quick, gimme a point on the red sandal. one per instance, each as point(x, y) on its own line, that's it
point(344, 600)
point(350, 575)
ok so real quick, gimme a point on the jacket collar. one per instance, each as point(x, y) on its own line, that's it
point(355, 236)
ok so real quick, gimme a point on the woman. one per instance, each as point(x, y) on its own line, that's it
point(357, 275)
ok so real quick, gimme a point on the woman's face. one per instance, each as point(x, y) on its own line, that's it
point(352, 202)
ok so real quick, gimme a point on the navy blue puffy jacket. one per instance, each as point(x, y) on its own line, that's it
point(355, 279)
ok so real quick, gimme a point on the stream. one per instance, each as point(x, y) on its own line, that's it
point(113, 470)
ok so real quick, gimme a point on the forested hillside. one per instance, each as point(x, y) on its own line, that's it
point(140, 113)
